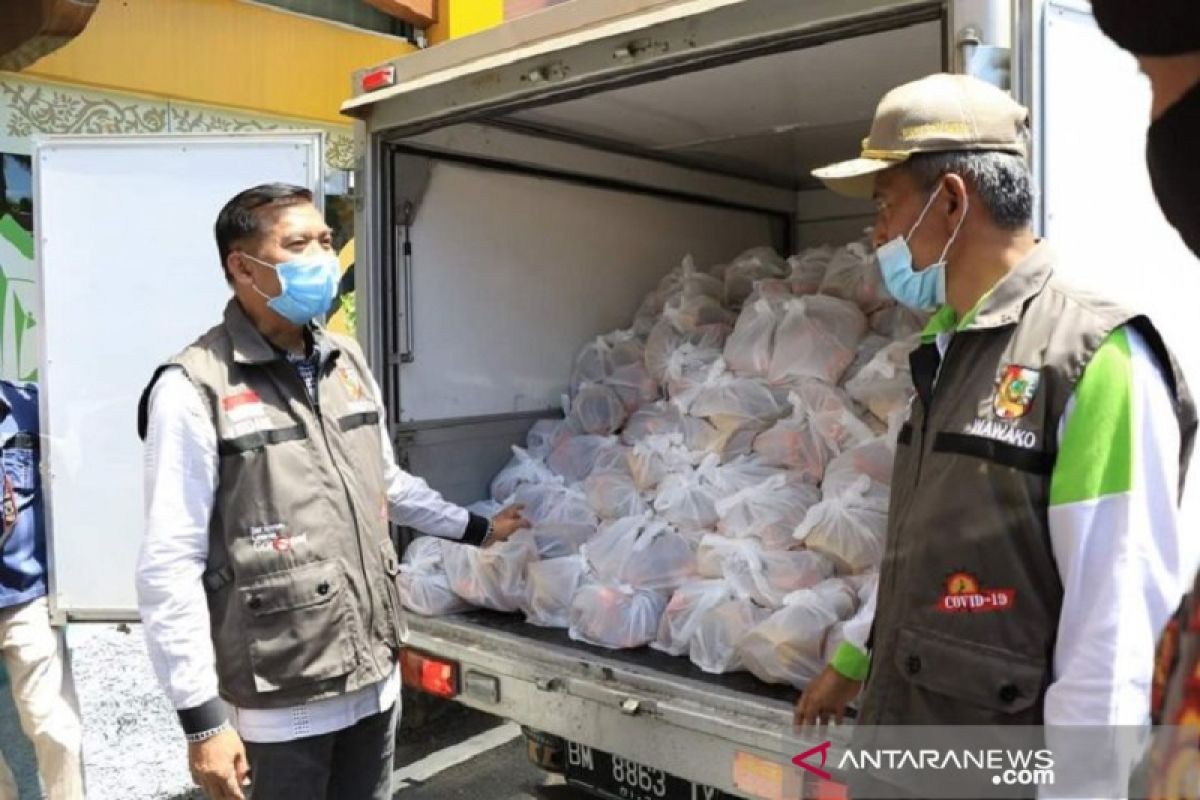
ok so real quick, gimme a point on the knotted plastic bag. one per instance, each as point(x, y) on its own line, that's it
point(575, 457)
point(817, 338)
point(808, 269)
point(884, 386)
point(554, 504)
point(789, 646)
point(597, 409)
point(849, 528)
point(422, 582)
point(550, 586)
point(768, 511)
point(853, 274)
point(749, 348)
point(643, 552)
point(655, 457)
point(714, 646)
point(616, 616)
point(492, 577)
point(521, 470)
point(756, 264)
point(614, 495)
point(682, 616)
point(822, 424)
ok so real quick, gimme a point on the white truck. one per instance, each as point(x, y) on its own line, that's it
point(521, 189)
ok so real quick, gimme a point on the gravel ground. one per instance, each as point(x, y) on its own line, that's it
point(132, 747)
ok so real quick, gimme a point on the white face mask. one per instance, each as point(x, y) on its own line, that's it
point(923, 289)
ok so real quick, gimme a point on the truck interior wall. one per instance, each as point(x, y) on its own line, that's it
point(512, 274)
point(823, 217)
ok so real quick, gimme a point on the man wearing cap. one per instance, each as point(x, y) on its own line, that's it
point(1033, 550)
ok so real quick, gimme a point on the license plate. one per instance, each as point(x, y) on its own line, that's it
point(622, 778)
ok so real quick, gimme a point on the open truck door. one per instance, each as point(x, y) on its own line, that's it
point(129, 275)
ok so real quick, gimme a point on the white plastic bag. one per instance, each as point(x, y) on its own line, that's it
point(821, 426)
point(614, 495)
point(714, 549)
point(808, 269)
point(868, 348)
point(850, 528)
point(885, 384)
point(817, 338)
point(617, 617)
point(522, 469)
point(714, 646)
point(682, 616)
point(554, 504)
point(754, 265)
point(768, 511)
point(665, 338)
point(898, 322)
point(592, 365)
point(655, 457)
point(655, 419)
point(575, 457)
point(789, 646)
point(422, 582)
point(688, 500)
point(493, 577)
point(874, 459)
point(688, 367)
point(550, 586)
point(768, 576)
point(748, 349)
point(542, 436)
point(853, 274)
point(642, 552)
point(723, 394)
point(557, 540)
point(597, 410)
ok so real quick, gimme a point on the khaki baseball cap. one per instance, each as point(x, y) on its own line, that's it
point(935, 114)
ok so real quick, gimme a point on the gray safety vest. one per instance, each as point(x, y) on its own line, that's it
point(300, 573)
point(969, 593)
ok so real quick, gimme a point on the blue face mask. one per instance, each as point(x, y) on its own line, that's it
point(309, 284)
point(923, 290)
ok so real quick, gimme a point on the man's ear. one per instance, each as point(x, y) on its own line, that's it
point(240, 268)
point(955, 189)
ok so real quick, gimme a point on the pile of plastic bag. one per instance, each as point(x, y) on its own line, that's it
point(718, 484)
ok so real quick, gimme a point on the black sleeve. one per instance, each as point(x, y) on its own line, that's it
point(204, 717)
point(477, 528)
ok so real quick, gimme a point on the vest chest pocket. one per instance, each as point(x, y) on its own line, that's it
point(964, 682)
point(297, 627)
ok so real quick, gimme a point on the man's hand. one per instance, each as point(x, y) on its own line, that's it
point(826, 697)
point(508, 522)
point(219, 765)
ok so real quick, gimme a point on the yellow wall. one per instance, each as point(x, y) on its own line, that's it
point(223, 52)
point(463, 17)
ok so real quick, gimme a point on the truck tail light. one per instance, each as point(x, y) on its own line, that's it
point(429, 674)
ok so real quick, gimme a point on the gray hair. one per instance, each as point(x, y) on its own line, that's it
point(1001, 180)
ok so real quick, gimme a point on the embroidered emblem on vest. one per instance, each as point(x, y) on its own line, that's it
point(964, 595)
point(349, 379)
point(1015, 390)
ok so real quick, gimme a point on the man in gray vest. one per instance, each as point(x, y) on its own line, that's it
point(1033, 549)
point(266, 581)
